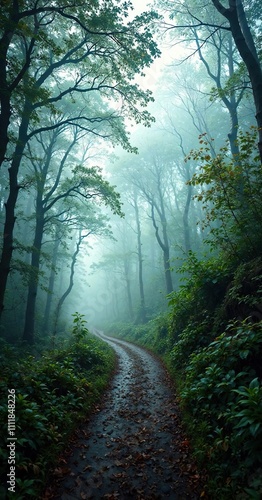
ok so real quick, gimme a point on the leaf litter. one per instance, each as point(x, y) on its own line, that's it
point(134, 446)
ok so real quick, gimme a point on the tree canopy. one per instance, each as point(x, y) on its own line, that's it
point(67, 50)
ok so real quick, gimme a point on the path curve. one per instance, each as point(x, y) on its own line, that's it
point(131, 447)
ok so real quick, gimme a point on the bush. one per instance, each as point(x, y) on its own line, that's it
point(222, 389)
point(154, 334)
point(229, 189)
point(204, 283)
point(53, 394)
point(193, 337)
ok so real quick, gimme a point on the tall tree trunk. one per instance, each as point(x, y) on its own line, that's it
point(5, 112)
point(7, 88)
point(231, 103)
point(71, 281)
point(128, 289)
point(164, 245)
point(244, 41)
point(5, 94)
point(29, 326)
point(10, 218)
point(41, 209)
point(162, 213)
point(142, 312)
point(49, 298)
point(168, 275)
point(115, 300)
point(187, 238)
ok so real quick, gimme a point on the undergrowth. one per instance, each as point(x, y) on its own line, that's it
point(211, 341)
point(53, 394)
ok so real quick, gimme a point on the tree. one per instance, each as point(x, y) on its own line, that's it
point(223, 46)
point(96, 226)
point(153, 186)
point(41, 166)
point(142, 308)
point(118, 269)
point(85, 185)
point(59, 231)
point(58, 50)
point(234, 224)
point(245, 43)
point(201, 17)
point(130, 195)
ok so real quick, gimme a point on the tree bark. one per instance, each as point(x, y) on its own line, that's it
point(5, 92)
point(236, 17)
point(10, 218)
point(162, 214)
point(142, 312)
point(51, 283)
point(71, 281)
point(231, 103)
point(187, 238)
point(128, 289)
point(164, 245)
point(29, 326)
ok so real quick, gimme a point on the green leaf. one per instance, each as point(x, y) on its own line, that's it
point(254, 428)
point(254, 383)
point(244, 354)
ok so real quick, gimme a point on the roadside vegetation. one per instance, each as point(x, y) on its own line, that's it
point(211, 338)
point(55, 392)
point(215, 362)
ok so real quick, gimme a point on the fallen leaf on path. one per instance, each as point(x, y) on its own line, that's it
point(87, 467)
point(61, 471)
point(118, 463)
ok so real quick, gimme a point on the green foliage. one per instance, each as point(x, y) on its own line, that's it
point(203, 287)
point(53, 394)
point(160, 327)
point(87, 184)
point(79, 330)
point(229, 190)
point(243, 297)
point(211, 342)
point(222, 388)
point(129, 331)
point(194, 336)
point(153, 334)
point(215, 357)
point(236, 82)
point(108, 69)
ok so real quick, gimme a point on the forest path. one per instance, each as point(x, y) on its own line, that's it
point(132, 447)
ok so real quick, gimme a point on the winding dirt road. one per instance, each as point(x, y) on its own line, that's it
point(132, 447)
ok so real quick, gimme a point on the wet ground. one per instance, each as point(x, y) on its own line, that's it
point(133, 446)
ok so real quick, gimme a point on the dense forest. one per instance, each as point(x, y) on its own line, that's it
point(130, 202)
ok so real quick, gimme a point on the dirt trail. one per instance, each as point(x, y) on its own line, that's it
point(133, 447)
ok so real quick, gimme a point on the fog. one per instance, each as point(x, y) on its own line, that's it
point(106, 213)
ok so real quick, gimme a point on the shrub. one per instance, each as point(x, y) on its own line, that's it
point(204, 283)
point(53, 394)
point(229, 189)
point(222, 389)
